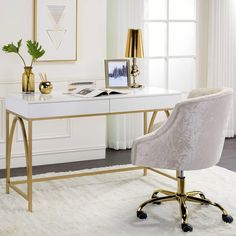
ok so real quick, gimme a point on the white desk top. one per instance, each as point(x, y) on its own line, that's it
point(58, 96)
point(58, 104)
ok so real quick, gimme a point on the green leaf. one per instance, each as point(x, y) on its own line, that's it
point(35, 50)
point(19, 45)
point(9, 48)
point(12, 48)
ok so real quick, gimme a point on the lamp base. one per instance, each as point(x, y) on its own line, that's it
point(134, 73)
point(135, 85)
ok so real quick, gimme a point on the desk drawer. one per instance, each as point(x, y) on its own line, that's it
point(72, 108)
point(143, 103)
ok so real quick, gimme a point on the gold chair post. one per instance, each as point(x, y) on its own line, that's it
point(180, 183)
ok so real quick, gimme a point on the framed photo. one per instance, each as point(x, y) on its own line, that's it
point(117, 73)
point(55, 28)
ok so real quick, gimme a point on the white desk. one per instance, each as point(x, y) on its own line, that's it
point(28, 108)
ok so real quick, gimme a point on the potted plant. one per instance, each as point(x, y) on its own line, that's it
point(36, 51)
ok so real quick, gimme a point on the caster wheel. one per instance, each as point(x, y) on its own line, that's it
point(227, 218)
point(141, 215)
point(187, 227)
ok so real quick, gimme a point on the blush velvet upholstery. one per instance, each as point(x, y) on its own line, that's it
point(193, 136)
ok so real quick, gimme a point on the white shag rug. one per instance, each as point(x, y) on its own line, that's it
point(105, 205)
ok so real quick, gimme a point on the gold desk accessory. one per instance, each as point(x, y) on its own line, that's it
point(45, 86)
point(134, 49)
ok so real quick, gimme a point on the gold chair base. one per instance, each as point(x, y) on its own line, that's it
point(182, 197)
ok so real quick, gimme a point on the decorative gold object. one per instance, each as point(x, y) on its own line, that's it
point(134, 49)
point(28, 83)
point(45, 87)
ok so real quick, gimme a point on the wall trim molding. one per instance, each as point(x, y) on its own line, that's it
point(67, 133)
point(57, 156)
point(13, 81)
point(2, 121)
point(55, 151)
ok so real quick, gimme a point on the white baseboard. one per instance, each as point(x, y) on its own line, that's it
point(57, 156)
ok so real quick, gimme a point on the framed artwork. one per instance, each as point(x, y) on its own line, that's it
point(55, 29)
point(117, 73)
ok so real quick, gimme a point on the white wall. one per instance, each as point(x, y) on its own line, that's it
point(202, 42)
point(61, 140)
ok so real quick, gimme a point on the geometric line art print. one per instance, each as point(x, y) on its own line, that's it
point(56, 29)
point(56, 12)
point(56, 36)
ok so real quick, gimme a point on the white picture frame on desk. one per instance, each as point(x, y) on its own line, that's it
point(117, 73)
point(55, 28)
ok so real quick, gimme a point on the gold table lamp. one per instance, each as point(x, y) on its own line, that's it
point(134, 49)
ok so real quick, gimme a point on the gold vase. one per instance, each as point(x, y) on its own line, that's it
point(28, 83)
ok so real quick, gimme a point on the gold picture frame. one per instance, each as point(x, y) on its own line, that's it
point(117, 73)
point(56, 12)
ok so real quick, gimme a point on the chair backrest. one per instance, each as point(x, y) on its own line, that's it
point(193, 136)
point(204, 122)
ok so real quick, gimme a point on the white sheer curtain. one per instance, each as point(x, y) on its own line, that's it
point(122, 15)
point(222, 50)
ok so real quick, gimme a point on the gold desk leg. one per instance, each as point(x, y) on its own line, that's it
point(152, 121)
point(9, 139)
point(29, 167)
point(167, 113)
point(145, 131)
point(8, 174)
point(154, 114)
point(145, 123)
point(145, 171)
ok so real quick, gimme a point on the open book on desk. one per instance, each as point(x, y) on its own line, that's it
point(91, 92)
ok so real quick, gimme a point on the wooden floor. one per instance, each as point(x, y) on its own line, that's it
point(228, 160)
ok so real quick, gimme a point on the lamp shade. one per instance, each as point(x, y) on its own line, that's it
point(134, 45)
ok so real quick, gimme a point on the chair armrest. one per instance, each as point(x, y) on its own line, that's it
point(155, 137)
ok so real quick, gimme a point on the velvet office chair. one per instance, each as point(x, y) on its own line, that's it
point(191, 139)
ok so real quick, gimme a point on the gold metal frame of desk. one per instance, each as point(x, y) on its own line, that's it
point(27, 139)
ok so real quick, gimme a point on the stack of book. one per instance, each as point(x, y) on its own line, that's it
point(76, 86)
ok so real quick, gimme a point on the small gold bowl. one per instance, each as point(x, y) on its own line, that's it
point(45, 87)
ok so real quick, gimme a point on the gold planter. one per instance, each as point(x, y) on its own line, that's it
point(28, 83)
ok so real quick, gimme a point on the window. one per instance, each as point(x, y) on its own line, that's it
point(170, 43)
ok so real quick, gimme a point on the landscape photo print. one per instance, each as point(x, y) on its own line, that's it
point(117, 73)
